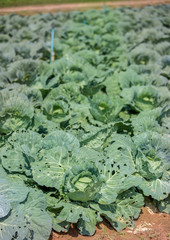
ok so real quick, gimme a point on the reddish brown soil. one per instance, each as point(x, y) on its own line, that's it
point(151, 225)
point(78, 6)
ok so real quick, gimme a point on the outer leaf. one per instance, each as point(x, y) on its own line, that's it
point(3, 173)
point(13, 191)
point(14, 161)
point(73, 213)
point(147, 121)
point(115, 185)
point(118, 168)
point(39, 222)
point(129, 78)
point(164, 205)
point(60, 138)
point(50, 170)
point(15, 112)
point(127, 207)
point(5, 206)
point(97, 140)
point(58, 226)
point(42, 125)
point(27, 142)
point(14, 225)
point(158, 189)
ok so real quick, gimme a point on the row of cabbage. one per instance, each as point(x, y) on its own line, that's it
point(85, 137)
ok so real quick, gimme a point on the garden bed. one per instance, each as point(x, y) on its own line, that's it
point(84, 123)
point(151, 225)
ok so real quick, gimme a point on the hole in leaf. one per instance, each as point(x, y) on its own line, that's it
point(20, 166)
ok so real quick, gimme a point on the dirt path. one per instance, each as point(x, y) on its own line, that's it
point(78, 6)
point(151, 225)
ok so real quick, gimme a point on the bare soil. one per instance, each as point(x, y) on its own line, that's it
point(151, 225)
point(80, 6)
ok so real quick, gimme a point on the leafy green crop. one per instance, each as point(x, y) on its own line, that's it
point(86, 136)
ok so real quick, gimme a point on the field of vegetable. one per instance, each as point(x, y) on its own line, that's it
point(85, 137)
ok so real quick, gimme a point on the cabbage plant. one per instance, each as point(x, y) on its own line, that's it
point(85, 137)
